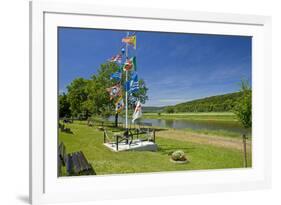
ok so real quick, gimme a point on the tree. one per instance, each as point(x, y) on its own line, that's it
point(243, 108)
point(102, 104)
point(243, 111)
point(64, 106)
point(169, 109)
point(87, 97)
point(77, 96)
point(99, 100)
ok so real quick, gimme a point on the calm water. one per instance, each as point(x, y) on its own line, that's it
point(195, 125)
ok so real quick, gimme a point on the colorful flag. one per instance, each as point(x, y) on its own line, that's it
point(134, 76)
point(114, 91)
point(137, 113)
point(117, 58)
point(131, 40)
point(130, 64)
point(127, 85)
point(134, 83)
point(119, 105)
point(117, 75)
point(134, 60)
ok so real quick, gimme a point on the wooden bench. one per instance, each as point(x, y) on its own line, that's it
point(65, 129)
point(67, 120)
point(61, 153)
point(77, 164)
point(61, 157)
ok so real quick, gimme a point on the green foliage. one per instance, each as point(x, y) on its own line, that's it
point(218, 103)
point(90, 97)
point(77, 95)
point(169, 109)
point(243, 108)
point(99, 101)
point(64, 106)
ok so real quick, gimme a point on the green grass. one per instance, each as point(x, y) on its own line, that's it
point(221, 133)
point(201, 156)
point(200, 116)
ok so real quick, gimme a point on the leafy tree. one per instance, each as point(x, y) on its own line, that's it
point(102, 105)
point(64, 106)
point(243, 111)
point(243, 108)
point(99, 100)
point(77, 96)
point(87, 97)
point(169, 109)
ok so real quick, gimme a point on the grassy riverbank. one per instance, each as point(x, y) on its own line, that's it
point(203, 151)
point(200, 116)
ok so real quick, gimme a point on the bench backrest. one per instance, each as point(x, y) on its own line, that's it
point(62, 153)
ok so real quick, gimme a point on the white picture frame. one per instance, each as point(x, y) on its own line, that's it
point(46, 187)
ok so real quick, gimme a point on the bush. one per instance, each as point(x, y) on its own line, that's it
point(179, 156)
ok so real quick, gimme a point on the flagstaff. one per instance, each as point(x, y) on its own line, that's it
point(126, 103)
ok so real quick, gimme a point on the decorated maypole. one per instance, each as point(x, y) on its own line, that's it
point(131, 84)
point(126, 101)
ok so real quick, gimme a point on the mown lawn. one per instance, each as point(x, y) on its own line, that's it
point(201, 156)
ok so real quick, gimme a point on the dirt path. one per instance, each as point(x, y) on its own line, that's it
point(226, 142)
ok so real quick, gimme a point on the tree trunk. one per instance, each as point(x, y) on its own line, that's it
point(116, 120)
point(244, 149)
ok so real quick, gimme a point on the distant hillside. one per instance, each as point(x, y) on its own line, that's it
point(152, 109)
point(218, 103)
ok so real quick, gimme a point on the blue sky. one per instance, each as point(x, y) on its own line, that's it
point(175, 67)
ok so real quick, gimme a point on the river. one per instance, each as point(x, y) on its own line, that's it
point(191, 124)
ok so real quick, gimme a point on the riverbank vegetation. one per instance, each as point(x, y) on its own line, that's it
point(201, 116)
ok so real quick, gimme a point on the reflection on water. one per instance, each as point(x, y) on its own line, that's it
point(191, 124)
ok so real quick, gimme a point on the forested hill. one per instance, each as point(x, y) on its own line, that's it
point(218, 103)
